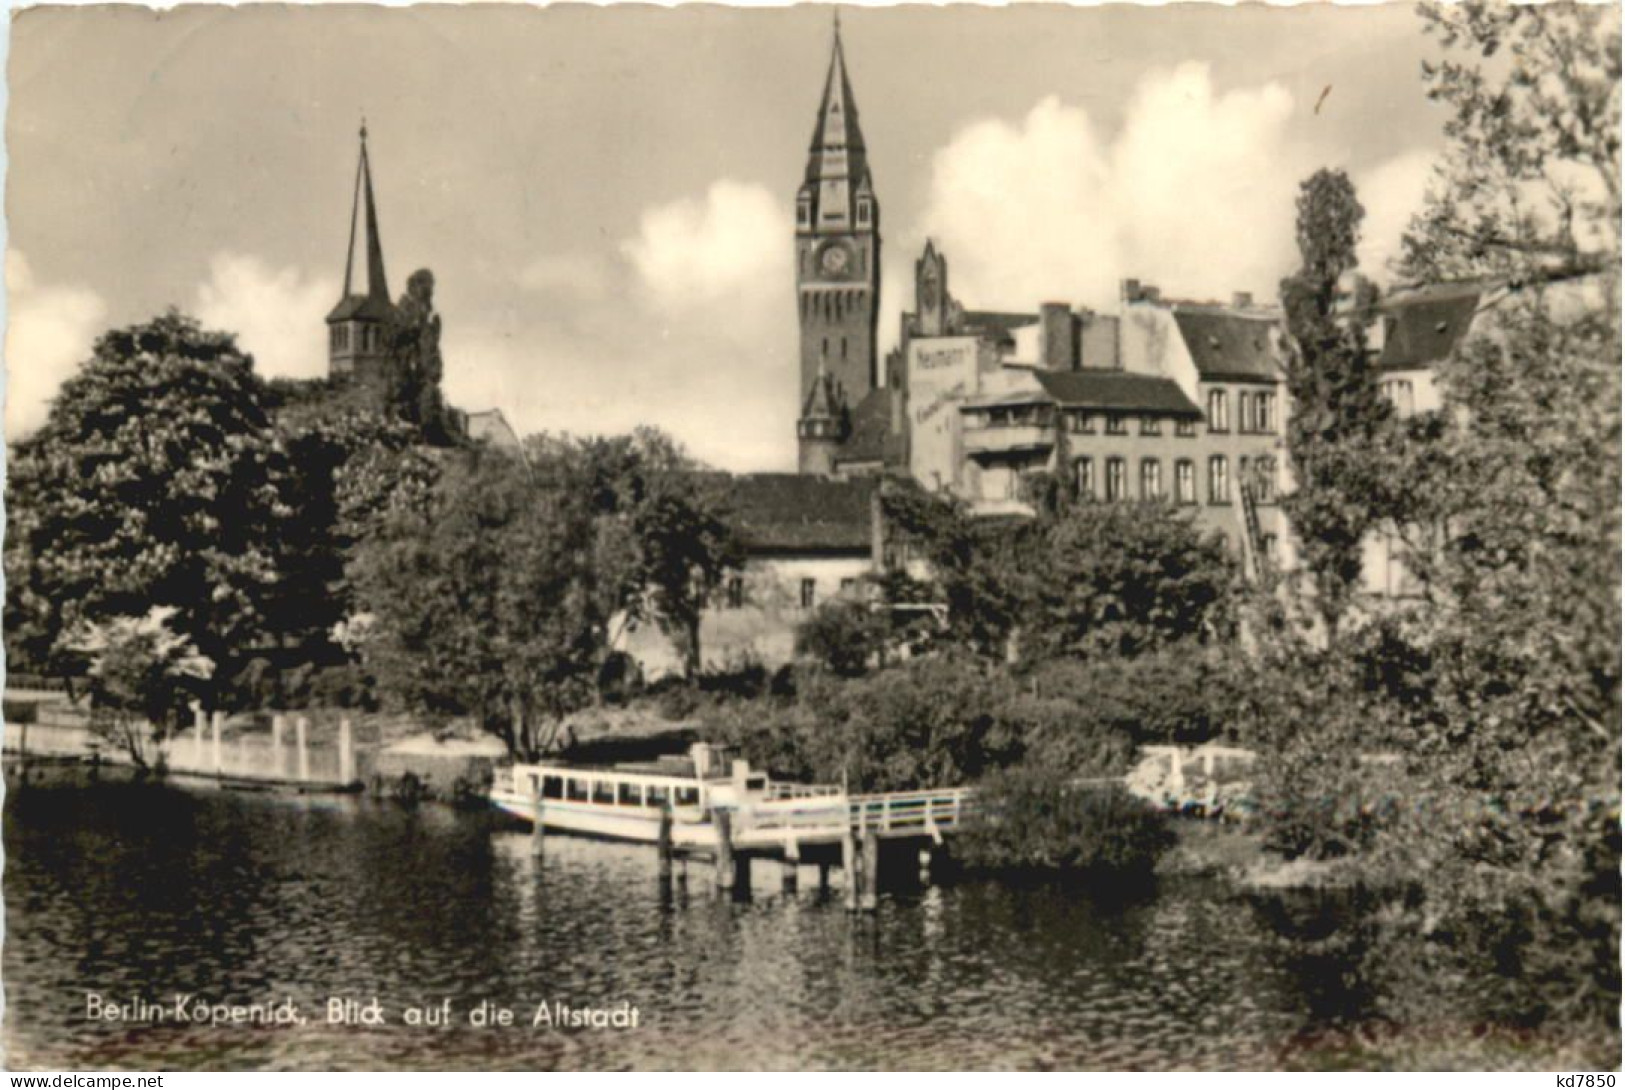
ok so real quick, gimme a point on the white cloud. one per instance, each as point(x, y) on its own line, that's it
point(50, 330)
point(690, 327)
point(1391, 194)
point(277, 314)
point(730, 249)
point(1195, 193)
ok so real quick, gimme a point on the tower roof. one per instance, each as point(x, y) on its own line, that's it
point(374, 302)
point(837, 145)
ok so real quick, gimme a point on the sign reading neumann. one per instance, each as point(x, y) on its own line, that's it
point(941, 374)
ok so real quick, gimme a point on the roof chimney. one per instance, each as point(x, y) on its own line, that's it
point(1241, 300)
point(1058, 345)
point(1151, 293)
point(1131, 291)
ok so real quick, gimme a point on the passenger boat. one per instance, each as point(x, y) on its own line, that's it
point(626, 801)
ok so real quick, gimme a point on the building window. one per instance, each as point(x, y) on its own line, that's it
point(848, 583)
point(1083, 423)
point(1218, 411)
point(809, 593)
point(1116, 479)
point(1116, 424)
point(843, 348)
point(1266, 413)
point(1185, 427)
point(1268, 541)
point(1185, 481)
point(825, 351)
point(1083, 471)
point(863, 213)
point(1244, 411)
point(1218, 480)
point(1150, 425)
point(736, 592)
point(1151, 479)
point(1266, 480)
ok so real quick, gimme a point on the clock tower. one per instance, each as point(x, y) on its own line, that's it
point(837, 267)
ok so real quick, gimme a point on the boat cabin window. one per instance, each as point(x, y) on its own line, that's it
point(657, 795)
point(552, 787)
point(629, 794)
point(756, 783)
point(603, 791)
point(688, 796)
point(576, 790)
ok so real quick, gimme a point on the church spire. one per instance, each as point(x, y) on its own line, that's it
point(837, 151)
point(377, 284)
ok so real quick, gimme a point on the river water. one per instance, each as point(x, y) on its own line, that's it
point(137, 891)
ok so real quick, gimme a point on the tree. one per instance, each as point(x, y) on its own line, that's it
point(1498, 691)
point(142, 676)
point(1117, 579)
point(152, 483)
point(843, 636)
point(1335, 434)
point(1528, 191)
point(487, 601)
point(665, 542)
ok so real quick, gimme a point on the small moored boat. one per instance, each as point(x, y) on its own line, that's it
point(626, 801)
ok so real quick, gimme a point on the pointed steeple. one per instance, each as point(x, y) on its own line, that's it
point(837, 161)
point(837, 145)
point(377, 283)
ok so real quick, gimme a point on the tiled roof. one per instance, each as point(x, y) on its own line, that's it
point(872, 439)
point(1423, 327)
point(1117, 390)
point(790, 512)
point(492, 427)
point(361, 306)
point(1228, 345)
point(996, 324)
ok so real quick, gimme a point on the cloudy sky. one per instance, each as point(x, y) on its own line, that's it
point(604, 194)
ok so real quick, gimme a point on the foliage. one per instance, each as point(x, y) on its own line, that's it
point(843, 636)
point(1077, 580)
point(340, 471)
point(1529, 188)
point(142, 676)
point(1340, 420)
point(152, 483)
point(487, 602)
point(928, 722)
point(1117, 579)
point(1033, 819)
point(665, 542)
point(1498, 685)
point(1175, 695)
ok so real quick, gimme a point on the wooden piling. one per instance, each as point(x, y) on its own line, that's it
point(301, 734)
point(665, 844)
point(870, 899)
point(723, 823)
point(850, 869)
point(538, 826)
point(217, 723)
point(792, 865)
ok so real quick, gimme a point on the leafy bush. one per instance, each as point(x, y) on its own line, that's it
point(1033, 819)
point(842, 636)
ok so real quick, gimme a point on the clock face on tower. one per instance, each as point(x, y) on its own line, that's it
point(835, 260)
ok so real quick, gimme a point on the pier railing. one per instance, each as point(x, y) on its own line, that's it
point(911, 812)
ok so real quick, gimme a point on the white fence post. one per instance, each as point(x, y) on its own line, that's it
point(218, 722)
point(301, 729)
point(346, 752)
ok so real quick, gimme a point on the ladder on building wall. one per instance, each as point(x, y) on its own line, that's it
point(1253, 558)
